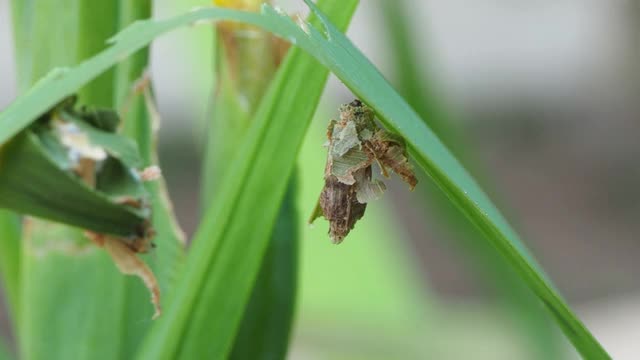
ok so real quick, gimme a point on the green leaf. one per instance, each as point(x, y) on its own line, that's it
point(449, 175)
point(56, 192)
point(336, 52)
point(32, 22)
point(97, 20)
point(73, 297)
point(117, 146)
point(32, 63)
point(267, 321)
point(141, 124)
point(420, 91)
point(222, 260)
point(75, 303)
point(134, 99)
point(10, 259)
point(245, 66)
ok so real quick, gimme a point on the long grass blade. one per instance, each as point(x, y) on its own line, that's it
point(266, 324)
point(10, 222)
point(134, 98)
point(141, 123)
point(420, 91)
point(229, 245)
point(246, 61)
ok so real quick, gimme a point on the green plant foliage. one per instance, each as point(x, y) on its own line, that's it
point(97, 20)
point(68, 287)
point(54, 192)
point(250, 181)
point(219, 261)
point(134, 96)
point(10, 258)
point(419, 91)
point(62, 287)
point(266, 324)
point(246, 61)
point(448, 174)
point(134, 99)
point(76, 305)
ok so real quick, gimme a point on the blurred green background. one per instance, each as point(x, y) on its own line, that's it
point(543, 97)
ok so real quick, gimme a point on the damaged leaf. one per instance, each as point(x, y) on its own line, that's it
point(128, 262)
point(355, 143)
point(70, 167)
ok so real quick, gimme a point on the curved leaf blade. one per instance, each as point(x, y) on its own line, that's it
point(244, 68)
point(419, 90)
point(449, 175)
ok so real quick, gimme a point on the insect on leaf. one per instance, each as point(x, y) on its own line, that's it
point(355, 144)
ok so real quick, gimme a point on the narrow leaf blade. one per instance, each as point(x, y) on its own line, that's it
point(232, 239)
point(10, 259)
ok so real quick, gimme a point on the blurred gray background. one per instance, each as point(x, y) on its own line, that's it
point(547, 93)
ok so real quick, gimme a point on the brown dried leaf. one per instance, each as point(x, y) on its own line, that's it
point(128, 262)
